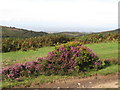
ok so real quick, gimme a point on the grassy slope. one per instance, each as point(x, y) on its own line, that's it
point(19, 33)
point(102, 49)
point(10, 58)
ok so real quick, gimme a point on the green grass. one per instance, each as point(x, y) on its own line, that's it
point(109, 70)
point(105, 50)
point(10, 58)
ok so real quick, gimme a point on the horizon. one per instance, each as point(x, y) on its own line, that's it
point(57, 31)
point(60, 15)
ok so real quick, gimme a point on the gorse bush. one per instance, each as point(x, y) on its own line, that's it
point(100, 37)
point(68, 58)
point(10, 44)
point(69, 44)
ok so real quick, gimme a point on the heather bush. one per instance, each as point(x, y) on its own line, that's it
point(70, 55)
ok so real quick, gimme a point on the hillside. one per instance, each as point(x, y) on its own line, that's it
point(13, 32)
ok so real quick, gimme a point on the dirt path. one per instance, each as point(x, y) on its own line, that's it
point(108, 81)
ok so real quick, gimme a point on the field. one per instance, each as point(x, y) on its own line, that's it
point(103, 50)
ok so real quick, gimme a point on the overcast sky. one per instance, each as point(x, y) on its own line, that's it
point(60, 15)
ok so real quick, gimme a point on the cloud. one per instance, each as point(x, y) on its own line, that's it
point(71, 12)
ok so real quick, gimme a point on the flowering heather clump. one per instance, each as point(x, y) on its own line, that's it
point(63, 60)
point(67, 56)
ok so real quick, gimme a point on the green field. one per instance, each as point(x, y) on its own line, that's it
point(103, 50)
point(10, 58)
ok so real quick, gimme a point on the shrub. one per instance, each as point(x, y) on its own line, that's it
point(68, 56)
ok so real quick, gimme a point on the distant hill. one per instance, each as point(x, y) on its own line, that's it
point(73, 34)
point(13, 32)
point(77, 34)
point(111, 31)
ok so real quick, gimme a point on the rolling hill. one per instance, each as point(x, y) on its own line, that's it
point(13, 32)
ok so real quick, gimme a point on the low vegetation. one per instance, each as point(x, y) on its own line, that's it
point(11, 44)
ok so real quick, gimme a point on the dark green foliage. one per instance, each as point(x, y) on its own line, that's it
point(12, 44)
